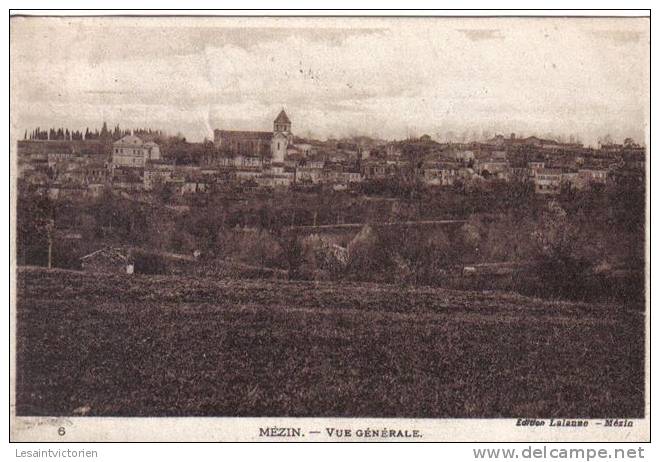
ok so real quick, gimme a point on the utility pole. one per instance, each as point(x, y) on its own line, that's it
point(49, 231)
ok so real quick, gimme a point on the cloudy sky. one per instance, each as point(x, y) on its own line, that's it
point(335, 76)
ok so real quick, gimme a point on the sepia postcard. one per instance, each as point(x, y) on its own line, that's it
point(331, 228)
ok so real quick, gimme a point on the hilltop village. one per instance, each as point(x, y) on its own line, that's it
point(62, 163)
point(525, 214)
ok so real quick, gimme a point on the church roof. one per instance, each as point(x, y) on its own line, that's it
point(244, 134)
point(282, 118)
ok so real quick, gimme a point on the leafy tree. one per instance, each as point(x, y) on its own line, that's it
point(163, 191)
point(34, 212)
point(562, 265)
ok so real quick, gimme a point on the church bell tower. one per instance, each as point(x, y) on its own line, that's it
point(282, 137)
point(282, 124)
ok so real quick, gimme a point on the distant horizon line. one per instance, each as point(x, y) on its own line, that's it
point(577, 138)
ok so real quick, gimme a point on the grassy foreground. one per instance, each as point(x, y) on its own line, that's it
point(122, 345)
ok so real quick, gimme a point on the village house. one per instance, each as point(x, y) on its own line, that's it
point(520, 173)
point(432, 175)
point(62, 167)
point(177, 182)
point(74, 176)
point(314, 163)
point(128, 179)
point(449, 172)
point(210, 171)
point(349, 154)
point(293, 151)
point(277, 178)
point(225, 161)
point(95, 189)
point(240, 161)
point(245, 174)
point(392, 150)
point(548, 181)
point(194, 186)
point(96, 173)
point(35, 157)
point(305, 149)
point(588, 176)
point(464, 155)
point(535, 167)
point(498, 155)
point(439, 173)
point(55, 158)
point(34, 149)
point(349, 176)
point(157, 172)
point(375, 170)
point(493, 168)
point(571, 178)
point(309, 174)
point(247, 161)
point(131, 151)
point(336, 156)
point(92, 173)
point(550, 145)
point(292, 160)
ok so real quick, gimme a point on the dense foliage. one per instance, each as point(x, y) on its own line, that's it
point(585, 244)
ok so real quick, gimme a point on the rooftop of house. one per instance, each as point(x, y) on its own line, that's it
point(549, 171)
point(129, 140)
point(95, 165)
point(113, 253)
point(294, 156)
point(161, 163)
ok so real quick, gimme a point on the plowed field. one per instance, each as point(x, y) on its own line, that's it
point(119, 345)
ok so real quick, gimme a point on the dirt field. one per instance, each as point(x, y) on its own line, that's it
point(172, 346)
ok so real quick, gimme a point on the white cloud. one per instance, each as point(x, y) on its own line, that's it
point(384, 78)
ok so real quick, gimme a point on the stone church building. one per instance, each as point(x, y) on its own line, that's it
point(257, 144)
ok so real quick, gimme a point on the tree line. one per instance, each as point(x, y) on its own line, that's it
point(575, 240)
point(103, 134)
